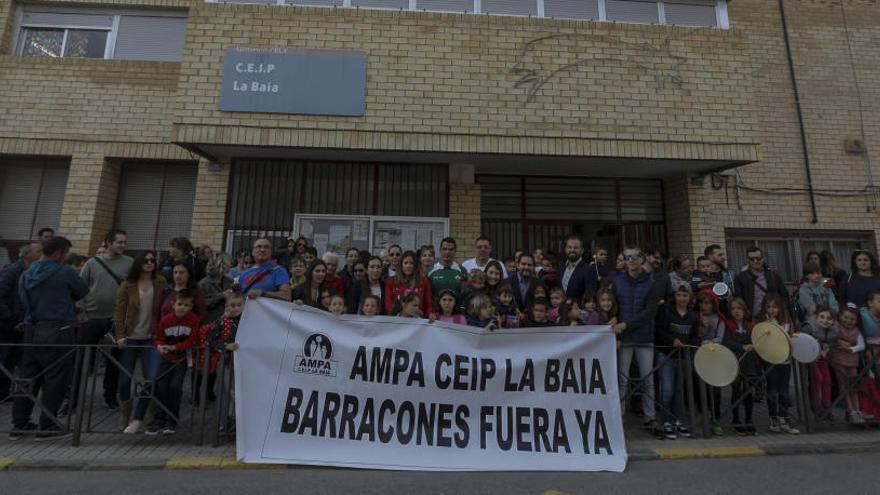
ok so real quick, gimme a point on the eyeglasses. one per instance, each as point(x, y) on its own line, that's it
point(756, 258)
point(631, 257)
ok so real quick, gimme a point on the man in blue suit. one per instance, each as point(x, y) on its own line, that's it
point(575, 274)
point(523, 280)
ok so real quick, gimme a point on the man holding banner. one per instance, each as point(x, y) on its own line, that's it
point(391, 393)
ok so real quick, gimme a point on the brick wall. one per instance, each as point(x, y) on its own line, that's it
point(90, 199)
point(209, 208)
point(829, 85)
point(446, 82)
point(450, 82)
point(86, 100)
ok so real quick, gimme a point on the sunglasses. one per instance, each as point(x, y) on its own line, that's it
point(631, 257)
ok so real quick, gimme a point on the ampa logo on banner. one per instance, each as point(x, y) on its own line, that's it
point(315, 359)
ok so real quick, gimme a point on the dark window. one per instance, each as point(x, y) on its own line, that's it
point(155, 202)
point(265, 195)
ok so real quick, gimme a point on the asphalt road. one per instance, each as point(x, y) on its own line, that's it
point(805, 474)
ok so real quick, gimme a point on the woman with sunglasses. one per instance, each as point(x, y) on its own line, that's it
point(244, 261)
point(865, 277)
point(134, 319)
point(394, 254)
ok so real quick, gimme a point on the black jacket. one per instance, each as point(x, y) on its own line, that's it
point(11, 309)
point(745, 285)
point(670, 326)
point(513, 279)
point(584, 277)
point(355, 294)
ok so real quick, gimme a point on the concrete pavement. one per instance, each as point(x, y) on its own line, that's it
point(849, 474)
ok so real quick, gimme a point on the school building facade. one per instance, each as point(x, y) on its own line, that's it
point(683, 122)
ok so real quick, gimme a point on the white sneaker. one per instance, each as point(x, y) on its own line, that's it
point(787, 428)
point(133, 427)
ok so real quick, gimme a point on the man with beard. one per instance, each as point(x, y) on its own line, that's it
point(577, 277)
point(523, 280)
point(653, 264)
point(719, 258)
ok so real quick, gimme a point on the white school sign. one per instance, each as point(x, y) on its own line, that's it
point(395, 393)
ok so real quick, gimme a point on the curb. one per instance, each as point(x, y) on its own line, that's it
point(230, 463)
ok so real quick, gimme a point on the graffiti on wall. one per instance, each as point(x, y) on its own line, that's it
point(533, 68)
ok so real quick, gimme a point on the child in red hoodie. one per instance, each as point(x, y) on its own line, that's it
point(177, 332)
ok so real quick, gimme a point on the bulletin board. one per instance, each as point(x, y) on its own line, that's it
point(333, 233)
point(410, 233)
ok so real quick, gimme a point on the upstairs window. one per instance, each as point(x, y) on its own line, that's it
point(64, 35)
point(82, 33)
point(695, 13)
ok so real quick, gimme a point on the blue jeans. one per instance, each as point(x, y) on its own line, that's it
point(644, 356)
point(150, 360)
point(671, 398)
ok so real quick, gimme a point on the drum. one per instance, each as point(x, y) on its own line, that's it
point(721, 289)
point(771, 343)
point(716, 365)
point(805, 348)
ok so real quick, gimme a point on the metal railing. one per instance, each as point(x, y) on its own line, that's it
point(83, 414)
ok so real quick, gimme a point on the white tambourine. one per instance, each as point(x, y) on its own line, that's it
point(721, 289)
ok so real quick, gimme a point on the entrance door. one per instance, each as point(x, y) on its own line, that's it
point(525, 212)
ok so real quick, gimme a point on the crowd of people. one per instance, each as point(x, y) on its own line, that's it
point(157, 310)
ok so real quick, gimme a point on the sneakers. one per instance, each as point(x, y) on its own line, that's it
point(169, 430)
point(787, 428)
point(133, 427)
point(740, 430)
point(51, 434)
point(669, 431)
point(154, 429)
point(18, 432)
point(856, 418)
point(774, 425)
point(683, 430)
point(717, 431)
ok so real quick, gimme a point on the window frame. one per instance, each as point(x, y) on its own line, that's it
point(116, 15)
point(109, 44)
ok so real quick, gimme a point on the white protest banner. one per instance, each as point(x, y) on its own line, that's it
point(398, 393)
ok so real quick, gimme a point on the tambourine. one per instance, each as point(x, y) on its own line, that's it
point(721, 289)
point(716, 365)
point(805, 348)
point(771, 342)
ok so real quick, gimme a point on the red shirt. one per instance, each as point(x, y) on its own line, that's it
point(181, 332)
point(395, 291)
point(336, 284)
